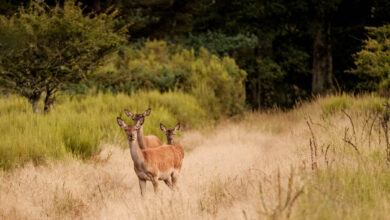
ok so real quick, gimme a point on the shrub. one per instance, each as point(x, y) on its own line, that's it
point(215, 82)
point(77, 125)
point(372, 62)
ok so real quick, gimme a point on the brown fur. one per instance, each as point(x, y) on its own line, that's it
point(163, 158)
point(151, 141)
point(177, 148)
point(153, 164)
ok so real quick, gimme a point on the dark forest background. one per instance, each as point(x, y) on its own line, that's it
point(290, 49)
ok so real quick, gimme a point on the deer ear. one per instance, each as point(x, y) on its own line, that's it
point(121, 123)
point(177, 127)
point(163, 128)
point(139, 124)
point(129, 114)
point(147, 112)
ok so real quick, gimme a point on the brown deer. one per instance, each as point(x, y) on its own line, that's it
point(170, 133)
point(148, 141)
point(153, 164)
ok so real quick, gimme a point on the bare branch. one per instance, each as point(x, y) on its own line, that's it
point(352, 144)
point(313, 162)
point(326, 156)
point(313, 137)
point(351, 121)
point(370, 131)
point(293, 201)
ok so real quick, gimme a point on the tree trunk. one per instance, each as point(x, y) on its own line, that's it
point(34, 104)
point(34, 100)
point(322, 56)
point(46, 107)
point(49, 100)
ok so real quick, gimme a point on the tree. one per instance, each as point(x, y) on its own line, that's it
point(43, 49)
point(322, 81)
point(373, 61)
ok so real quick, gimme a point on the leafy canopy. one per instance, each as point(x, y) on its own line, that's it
point(217, 83)
point(42, 49)
point(373, 61)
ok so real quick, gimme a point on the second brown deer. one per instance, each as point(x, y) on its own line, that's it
point(148, 141)
point(170, 133)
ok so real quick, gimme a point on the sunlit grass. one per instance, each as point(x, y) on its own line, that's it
point(248, 168)
point(78, 125)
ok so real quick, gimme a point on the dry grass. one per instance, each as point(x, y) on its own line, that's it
point(219, 179)
point(224, 168)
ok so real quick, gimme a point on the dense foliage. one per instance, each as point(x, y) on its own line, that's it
point(289, 49)
point(217, 83)
point(43, 49)
point(373, 61)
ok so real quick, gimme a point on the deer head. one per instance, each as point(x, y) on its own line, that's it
point(170, 133)
point(131, 130)
point(138, 117)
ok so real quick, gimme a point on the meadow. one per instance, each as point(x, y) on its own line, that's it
point(322, 160)
point(79, 125)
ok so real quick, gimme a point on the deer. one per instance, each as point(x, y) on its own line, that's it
point(170, 133)
point(148, 141)
point(153, 164)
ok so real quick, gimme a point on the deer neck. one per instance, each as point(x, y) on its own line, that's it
point(169, 141)
point(136, 154)
point(140, 138)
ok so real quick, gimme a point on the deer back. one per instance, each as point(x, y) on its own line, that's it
point(163, 158)
point(151, 141)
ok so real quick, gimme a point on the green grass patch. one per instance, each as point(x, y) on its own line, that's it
point(346, 193)
point(78, 125)
point(334, 104)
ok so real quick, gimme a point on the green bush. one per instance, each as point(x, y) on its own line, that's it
point(79, 124)
point(372, 62)
point(215, 82)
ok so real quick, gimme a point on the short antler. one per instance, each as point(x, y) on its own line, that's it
point(121, 123)
point(129, 114)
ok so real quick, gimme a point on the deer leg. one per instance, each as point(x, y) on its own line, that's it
point(174, 177)
point(155, 184)
point(142, 186)
point(169, 182)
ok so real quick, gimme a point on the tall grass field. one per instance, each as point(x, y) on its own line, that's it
point(325, 159)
